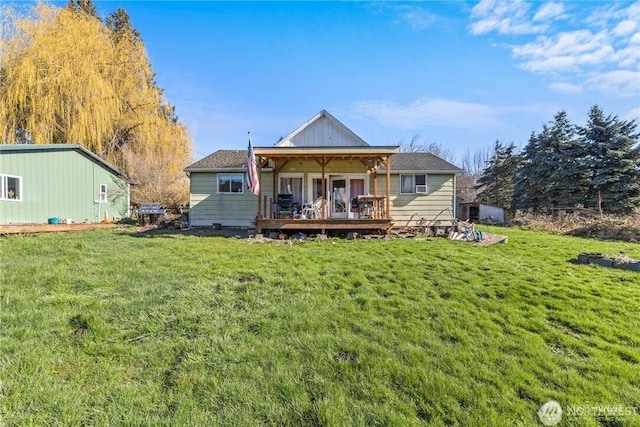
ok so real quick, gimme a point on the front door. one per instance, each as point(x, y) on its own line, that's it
point(338, 198)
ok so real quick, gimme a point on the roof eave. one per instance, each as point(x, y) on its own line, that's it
point(352, 151)
point(214, 170)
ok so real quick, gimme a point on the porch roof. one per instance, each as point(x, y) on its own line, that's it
point(336, 152)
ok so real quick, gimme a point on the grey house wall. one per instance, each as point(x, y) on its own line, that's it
point(60, 183)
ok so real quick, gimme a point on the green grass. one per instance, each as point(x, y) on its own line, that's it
point(107, 327)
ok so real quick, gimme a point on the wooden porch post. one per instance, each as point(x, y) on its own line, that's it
point(387, 165)
point(324, 191)
point(259, 215)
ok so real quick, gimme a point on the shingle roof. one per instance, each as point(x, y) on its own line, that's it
point(421, 162)
point(221, 159)
point(401, 162)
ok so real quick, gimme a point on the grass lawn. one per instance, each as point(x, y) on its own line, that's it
point(109, 327)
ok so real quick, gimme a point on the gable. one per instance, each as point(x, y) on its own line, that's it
point(322, 130)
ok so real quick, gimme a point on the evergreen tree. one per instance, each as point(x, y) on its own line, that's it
point(498, 178)
point(529, 185)
point(121, 26)
point(567, 186)
point(82, 6)
point(552, 172)
point(613, 160)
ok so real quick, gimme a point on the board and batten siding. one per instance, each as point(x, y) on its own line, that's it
point(440, 196)
point(60, 183)
point(323, 132)
point(207, 207)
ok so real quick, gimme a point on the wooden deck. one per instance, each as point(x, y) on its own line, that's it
point(321, 225)
point(48, 228)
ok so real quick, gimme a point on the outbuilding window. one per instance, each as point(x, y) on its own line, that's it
point(10, 187)
point(103, 193)
point(230, 183)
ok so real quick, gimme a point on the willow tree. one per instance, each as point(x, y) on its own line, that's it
point(68, 77)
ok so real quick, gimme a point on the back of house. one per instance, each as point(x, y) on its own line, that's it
point(321, 161)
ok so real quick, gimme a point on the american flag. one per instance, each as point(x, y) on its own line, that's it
point(252, 173)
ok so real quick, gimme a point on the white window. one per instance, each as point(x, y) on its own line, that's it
point(103, 193)
point(411, 184)
point(230, 183)
point(10, 187)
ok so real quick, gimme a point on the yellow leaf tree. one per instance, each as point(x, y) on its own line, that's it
point(68, 77)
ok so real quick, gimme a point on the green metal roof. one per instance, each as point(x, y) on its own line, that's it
point(12, 148)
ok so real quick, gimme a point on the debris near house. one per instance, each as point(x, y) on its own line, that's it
point(419, 226)
point(621, 261)
point(466, 231)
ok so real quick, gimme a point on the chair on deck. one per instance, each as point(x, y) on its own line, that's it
point(312, 210)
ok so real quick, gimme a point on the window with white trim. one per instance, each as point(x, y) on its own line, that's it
point(10, 187)
point(103, 193)
point(412, 184)
point(230, 183)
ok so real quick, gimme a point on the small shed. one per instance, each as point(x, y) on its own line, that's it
point(479, 212)
point(65, 181)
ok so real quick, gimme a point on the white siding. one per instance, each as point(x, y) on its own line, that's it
point(323, 132)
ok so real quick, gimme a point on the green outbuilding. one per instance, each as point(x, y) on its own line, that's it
point(42, 183)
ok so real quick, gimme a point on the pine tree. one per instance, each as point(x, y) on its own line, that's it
point(498, 178)
point(613, 160)
point(552, 173)
point(528, 192)
point(82, 6)
point(567, 181)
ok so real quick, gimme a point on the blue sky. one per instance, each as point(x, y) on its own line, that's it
point(462, 74)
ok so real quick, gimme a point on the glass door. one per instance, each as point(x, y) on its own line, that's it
point(338, 198)
point(356, 188)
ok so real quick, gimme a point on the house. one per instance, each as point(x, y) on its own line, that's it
point(321, 176)
point(42, 181)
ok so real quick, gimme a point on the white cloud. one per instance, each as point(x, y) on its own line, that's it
point(567, 52)
point(549, 11)
point(593, 49)
point(619, 82)
point(504, 17)
point(633, 115)
point(417, 17)
point(434, 112)
point(625, 28)
point(568, 88)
